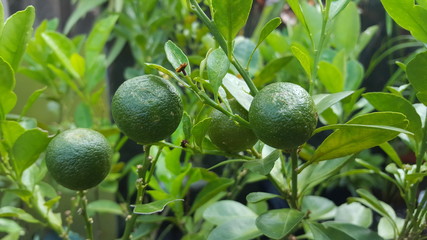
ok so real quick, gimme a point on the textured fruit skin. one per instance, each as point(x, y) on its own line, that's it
point(79, 159)
point(147, 109)
point(283, 115)
point(229, 136)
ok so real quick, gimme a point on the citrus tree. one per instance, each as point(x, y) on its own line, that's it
point(281, 106)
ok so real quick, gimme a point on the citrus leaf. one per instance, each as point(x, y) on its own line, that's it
point(176, 56)
point(19, 213)
point(104, 206)
point(227, 162)
point(31, 99)
point(238, 89)
point(83, 116)
point(354, 213)
point(7, 80)
point(217, 67)
point(7, 103)
point(243, 229)
point(200, 129)
point(255, 197)
point(230, 16)
point(154, 207)
point(348, 141)
point(391, 153)
point(1, 17)
point(417, 75)
point(167, 72)
point(319, 231)
point(347, 28)
point(268, 28)
point(279, 223)
point(49, 204)
point(331, 77)
point(391, 102)
point(336, 7)
point(268, 73)
point(15, 36)
point(365, 38)
point(11, 130)
point(409, 16)
point(97, 38)
point(187, 125)
point(303, 56)
point(210, 190)
point(354, 76)
point(28, 147)
point(347, 125)
point(263, 166)
point(227, 211)
point(320, 208)
point(353, 231)
point(325, 101)
point(83, 7)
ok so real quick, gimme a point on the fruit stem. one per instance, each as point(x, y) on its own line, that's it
point(226, 47)
point(87, 219)
point(294, 165)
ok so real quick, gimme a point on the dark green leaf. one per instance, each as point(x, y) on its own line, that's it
point(348, 141)
point(230, 16)
point(409, 16)
point(355, 232)
point(227, 211)
point(200, 129)
point(319, 231)
point(243, 229)
point(154, 207)
point(83, 116)
point(104, 206)
point(31, 99)
point(210, 190)
point(15, 36)
point(28, 147)
point(255, 197)
point(176, 56)
point(268, 73)
point(263, 166)
point(187, 125)
point(227, 162)
point(417, 73)
point(269, 27)
point(217, 67)
point(279, 223)
point(391, 102)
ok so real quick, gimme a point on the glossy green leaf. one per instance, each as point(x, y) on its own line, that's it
point(353, 126)
point(417, 72)
point(263, 166)
point(331, 77)
point(348, 141)
point(83, 116)
point(296, 8)
point(365, 38)
point(353, 231)
point(228, 20)
point(269, 27)
point(31, 100)
point(336, 7)
point(51, 202)
point(28, 147)
point(67, 79)
point(10, 226)
point(408, 16)
point(354, 213)
point(18, 213)
point(243, 229)
point(7, 81)
point(389, 150)
point(217, 67)
point(279, 223)
point(303, 56)
point(268, 73)
point(200, 129)
point(325, 101)
point(238, 89)
point(354, 76)
point(255, 197)
point(385, 227)
point(97, 38)
point(7, 103)
point(392, 102)
point(227, 211)
point(319, 231)
point(246, 53)
point(78, 63)
point(62, 48)
point(104, 206)
point(422, 96)
point(11, 130)
point(320, 208)
point(347, 28)
point(187, 125)
point(210, 190)
point(83, 7)
point(176, 56)
point(167, 72)
point(154, 207)
point(16, 33)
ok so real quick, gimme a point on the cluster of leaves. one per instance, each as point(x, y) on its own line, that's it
point(318, 49)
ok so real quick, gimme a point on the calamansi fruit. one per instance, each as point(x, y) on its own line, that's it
point(229, 135)
point(283, 115)
point(79, 159)
point(147, 109)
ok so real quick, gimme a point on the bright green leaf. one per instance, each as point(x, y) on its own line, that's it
point(320, 208)
point(51, 202)
point(269, 27)
point(348, 141)
point(19, 213)
point(353, 231)
point(325, 101)
point(176, 56)
point(238, 89)
point(408, 16)
point(28, 147)
point(83, 116)
point(154, 207)
point(11, 130)
point(417, 72)
point(83, 7)
point(15, 36)
point(303, 56)
point(104, 206)
point(331, 77)
point(243, 229)
point(230, 16)
point(336, 7)
point(347, 28)
point(263, 166)
point(227, 211)
point(7, 80)
point(78, 63)
point(31, 99)
point(200, 129)
point(354, 213)
point(392, 102)
point(279, 223)
point(217, 67)
point(255, 197)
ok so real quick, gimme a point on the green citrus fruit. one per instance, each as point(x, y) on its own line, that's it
point(147, 109)
point(283, 115)
point(79, 159)
point(228, 135)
